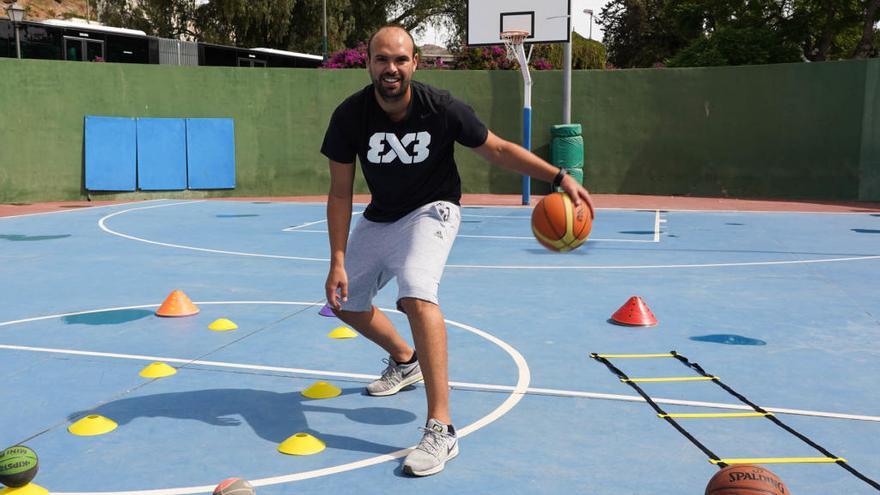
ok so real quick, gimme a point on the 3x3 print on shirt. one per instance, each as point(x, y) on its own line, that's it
point(385, 147)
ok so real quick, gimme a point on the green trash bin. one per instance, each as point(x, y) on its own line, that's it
point(567, 149)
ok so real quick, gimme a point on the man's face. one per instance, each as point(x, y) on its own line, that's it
point(392, 63)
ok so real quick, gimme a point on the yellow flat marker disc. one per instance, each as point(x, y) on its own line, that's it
point(301, 444)
point(157, 370)
point(780, 460)
point(29, 489)
point(92, 425)
point(222, 325)
point(321, 390)
point(342, 333)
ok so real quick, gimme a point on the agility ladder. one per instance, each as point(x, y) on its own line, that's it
point(759, 413)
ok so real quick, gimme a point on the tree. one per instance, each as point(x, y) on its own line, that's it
point(827, 29)
point(306, 26)
point(170, 18)
point(247, 23)
point(415, 15)
point(351, 22)
point(738, 32)
point(640, 33)
point(866, 46)
point(165, 18)
point(585, 54)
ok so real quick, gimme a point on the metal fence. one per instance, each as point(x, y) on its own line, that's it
point(177, 52)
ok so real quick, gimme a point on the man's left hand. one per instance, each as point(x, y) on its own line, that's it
point(577, 193)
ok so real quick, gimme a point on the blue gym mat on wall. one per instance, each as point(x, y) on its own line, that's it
point(210, 153)
point(111, 153)
point(161, 154)
point(125, 154)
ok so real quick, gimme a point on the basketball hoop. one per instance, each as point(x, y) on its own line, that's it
point(513, 39)
point(515, 22)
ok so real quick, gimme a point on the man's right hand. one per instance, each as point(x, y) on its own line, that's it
point(336, 288)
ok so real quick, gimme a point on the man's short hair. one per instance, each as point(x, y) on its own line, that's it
point(387, 26)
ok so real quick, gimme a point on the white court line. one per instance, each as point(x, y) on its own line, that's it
point(532, 238)
point(517, 393)
point(657, 226)
point(103, 225)
point(309, 224)
point(601, 208)
point(646, 267)
point(633, 208)
point(502, 237)
point(301, 228)
point(501, 267)
point(71, 210)
point(516, 217)
point(453, 384)
point(774, 212)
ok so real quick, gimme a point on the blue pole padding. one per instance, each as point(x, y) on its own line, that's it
point(527, 144)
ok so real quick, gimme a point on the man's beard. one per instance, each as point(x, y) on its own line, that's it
point(390, 95)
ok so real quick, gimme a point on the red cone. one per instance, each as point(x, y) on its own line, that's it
point(634, 313)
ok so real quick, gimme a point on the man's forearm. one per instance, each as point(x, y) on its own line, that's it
point(338, 223)
point(517, 159)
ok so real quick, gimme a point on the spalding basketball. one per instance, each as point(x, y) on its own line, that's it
point(558, 225)
point(234, 486)
point(745, 479)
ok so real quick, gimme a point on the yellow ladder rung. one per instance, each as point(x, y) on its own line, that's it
point(671, 379)
point(630, 356)
point(781, 460)
point(716, 415)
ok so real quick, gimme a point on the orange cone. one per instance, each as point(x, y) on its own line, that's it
point(634, 313)
point(177, 304)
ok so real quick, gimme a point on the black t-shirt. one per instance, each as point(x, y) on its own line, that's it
point(409, 163)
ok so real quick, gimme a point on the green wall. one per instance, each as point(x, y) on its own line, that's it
point(869, 184)
point(782, 131)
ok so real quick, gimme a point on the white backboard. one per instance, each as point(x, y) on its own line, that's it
point(547, 21)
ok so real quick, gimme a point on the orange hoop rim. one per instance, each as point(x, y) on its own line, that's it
point(515, 37)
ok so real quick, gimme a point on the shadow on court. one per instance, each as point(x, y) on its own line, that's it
point(107, 317)
point(30, 238)
point(273, 416)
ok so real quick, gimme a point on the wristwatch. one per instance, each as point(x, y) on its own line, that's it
point(557, 181)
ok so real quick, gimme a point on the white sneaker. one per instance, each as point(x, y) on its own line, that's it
point(437, 447)
point(395, 377)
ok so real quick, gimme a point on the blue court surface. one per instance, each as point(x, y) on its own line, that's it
point(783, 308)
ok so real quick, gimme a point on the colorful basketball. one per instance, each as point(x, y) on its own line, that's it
point(18, 466)
point(745, 479)
point(558, 225)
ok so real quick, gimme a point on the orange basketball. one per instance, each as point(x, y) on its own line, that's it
point(745, 479)
point(558, 225)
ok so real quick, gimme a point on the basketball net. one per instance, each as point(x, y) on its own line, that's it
point(513, 42)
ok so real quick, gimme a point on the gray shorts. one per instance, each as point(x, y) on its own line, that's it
point(414, 249)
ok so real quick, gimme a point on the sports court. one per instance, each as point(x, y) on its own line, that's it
point(753, 323)
point(778, 304)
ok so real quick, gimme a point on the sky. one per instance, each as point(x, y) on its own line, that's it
point(581, 23)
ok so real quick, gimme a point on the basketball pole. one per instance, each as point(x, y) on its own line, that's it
point(566, 83)
point(527, 116)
